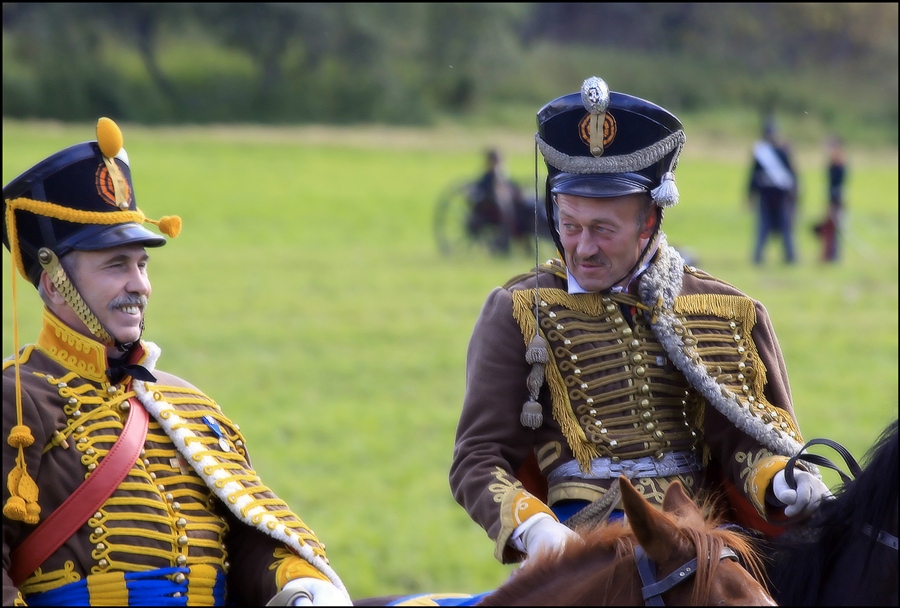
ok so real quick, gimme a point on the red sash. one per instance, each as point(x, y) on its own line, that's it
point(78, 508)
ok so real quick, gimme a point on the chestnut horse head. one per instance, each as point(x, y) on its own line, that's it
point(676, 556)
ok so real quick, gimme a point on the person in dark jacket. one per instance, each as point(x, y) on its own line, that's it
point(618, 358)
point(829, 229)
point(773, 192)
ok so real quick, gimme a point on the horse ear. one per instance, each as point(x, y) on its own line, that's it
point(677, 501)
point(654, 531)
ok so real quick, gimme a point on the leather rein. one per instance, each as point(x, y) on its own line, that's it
point(653, 589)
point(885, 538)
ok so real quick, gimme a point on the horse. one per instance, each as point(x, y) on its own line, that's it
point(675, 556)
point(847, 553)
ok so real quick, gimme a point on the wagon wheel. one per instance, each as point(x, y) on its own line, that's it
point(458, 228)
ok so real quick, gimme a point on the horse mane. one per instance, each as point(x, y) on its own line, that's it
point(802, 557)
point(587, 573)
point(871, 498)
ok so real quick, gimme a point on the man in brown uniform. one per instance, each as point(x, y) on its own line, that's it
point(619, 358)
point(123, 484)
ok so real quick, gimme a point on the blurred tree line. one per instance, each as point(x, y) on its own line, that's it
point(413, 63)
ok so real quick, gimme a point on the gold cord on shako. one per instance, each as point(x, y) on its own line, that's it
point(22, 504)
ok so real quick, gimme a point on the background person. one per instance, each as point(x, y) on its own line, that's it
point(165, 506)
point(773, 192)
point(829, 229)
point(498, 200)
point(618, 358)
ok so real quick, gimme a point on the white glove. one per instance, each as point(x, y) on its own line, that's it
point(805, 499)
point(312, 592)
point(541, 532)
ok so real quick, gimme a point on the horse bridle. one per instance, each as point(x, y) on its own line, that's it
point(653, 589)
point(885, 538)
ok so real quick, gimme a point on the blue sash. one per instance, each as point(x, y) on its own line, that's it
point(150, 588)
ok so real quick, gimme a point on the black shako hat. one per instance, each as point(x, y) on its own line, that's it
point(81, 198)
point(600, 143)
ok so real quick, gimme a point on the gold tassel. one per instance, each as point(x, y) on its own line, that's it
point(20, 436)
point(537, 355)
point(532, 415)
point(537, 351)
point(22, 504)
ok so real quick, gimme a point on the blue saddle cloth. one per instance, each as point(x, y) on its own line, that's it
point(439, 599)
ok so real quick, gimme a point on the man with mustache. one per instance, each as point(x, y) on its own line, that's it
point(619, 358)
point(124, 484)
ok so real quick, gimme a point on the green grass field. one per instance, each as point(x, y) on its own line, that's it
point(306, 294)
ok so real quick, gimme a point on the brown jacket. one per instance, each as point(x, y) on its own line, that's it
point(690, 367)
point(192, 499)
